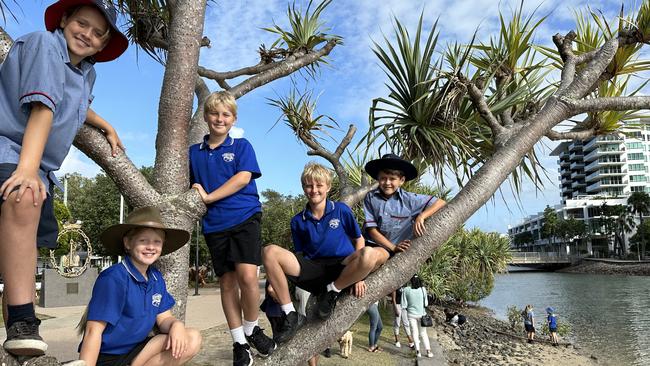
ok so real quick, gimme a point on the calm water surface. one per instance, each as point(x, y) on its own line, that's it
point(609, 315)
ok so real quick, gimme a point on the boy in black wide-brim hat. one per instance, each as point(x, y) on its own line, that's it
point(393, 215)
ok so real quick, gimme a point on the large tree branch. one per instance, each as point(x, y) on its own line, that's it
point(282, 69)
point(479, 101)
point(571, 135)
point(128, 179)
point(249, 70)
point(607, 104)
point(176, 98)
point(591, 73)
point(358, 194)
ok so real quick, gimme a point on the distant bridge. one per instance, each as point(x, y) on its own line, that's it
point(540, 260)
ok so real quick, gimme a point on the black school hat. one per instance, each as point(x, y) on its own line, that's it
point(393, 162)
point(118, 42)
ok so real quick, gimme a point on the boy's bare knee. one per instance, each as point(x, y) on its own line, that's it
point(270, 252)
point(195, 341)
point(23, 212)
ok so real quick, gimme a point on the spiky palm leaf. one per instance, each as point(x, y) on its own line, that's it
point(306, 31)
point(146, 25)
point(299, 114)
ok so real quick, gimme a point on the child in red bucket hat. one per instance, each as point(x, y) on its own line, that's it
point(46, 84)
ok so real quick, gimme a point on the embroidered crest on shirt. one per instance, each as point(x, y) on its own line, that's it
point(155, 300)
point(334, 223)
point(228, 157)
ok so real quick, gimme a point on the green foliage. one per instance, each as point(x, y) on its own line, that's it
point(464, 267)
point(299, 114)
point(307, 30)
point(277, 211)
point(515, 319)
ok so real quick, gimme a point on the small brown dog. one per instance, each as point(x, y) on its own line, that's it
point(345, 344)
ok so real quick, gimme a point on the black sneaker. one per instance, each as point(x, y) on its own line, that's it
point(263, 344)
point(326, 303)
point(23, 338)
point(292, 322)
point(327, 353)
point(241, 355)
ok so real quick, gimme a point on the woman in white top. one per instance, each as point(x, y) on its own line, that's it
point(414, 300)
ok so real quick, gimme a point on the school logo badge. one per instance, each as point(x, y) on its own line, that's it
point(334, 223)
point(228, 157)
point(155, 300)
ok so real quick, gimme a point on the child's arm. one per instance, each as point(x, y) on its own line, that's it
point(232, 185)
point(34, 140)
point(177, 338)
point(380, 239)
point(359, 243)
point(418, 225)
point(96, 120)
point(92, 342)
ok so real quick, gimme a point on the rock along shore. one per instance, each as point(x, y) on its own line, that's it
point(613, 267)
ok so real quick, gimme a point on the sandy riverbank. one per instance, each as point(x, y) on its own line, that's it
point(485, 340)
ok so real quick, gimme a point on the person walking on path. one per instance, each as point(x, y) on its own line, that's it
point(414, 300)
point(400, 318)
point(376, 326)
point(529, 323)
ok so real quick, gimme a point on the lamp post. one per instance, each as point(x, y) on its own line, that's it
point(196, 262)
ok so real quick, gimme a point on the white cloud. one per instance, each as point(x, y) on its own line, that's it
point(236, 132)
point(77, 162)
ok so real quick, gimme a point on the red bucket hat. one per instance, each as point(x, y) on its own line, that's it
point(117, 44)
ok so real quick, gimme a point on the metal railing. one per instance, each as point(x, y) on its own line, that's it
point(538, 258)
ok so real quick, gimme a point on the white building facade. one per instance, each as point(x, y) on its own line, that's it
point(601, 170)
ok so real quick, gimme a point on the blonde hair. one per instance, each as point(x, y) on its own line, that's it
point(316, 172)
point(224, 98)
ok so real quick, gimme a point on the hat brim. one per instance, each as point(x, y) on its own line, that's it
point(112, 238)
point(373, 167)
point(117, 44)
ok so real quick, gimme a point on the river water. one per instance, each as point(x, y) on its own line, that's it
point(609, 315)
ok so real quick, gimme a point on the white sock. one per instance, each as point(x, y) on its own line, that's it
point(249, 326)
point(331, 287)
point(287, 308)
point(238, 335)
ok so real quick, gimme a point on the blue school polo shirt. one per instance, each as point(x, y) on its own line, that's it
point(394, 216)
point(38, 69)
point(329, 236)
point(128, 304)
point(212, 168)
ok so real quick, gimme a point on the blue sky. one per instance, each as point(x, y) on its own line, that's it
point(127, 90)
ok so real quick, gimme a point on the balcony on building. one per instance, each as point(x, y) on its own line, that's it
point(604, 150)
point(602, 140)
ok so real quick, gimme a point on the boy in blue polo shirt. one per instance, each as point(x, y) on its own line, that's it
point(330, 253)
point(130, 297)
point(46, 85)
point(393, 215)
point(227, 168)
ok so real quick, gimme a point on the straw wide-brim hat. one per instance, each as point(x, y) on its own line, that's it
point(393, 162)
point(145, 217)
point(118, 42)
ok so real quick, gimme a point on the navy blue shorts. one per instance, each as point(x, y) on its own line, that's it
point(529, 328)
point(239, 244)
point(48, 229)
point(105, 359)
point(316, 274)
point(552, 330)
